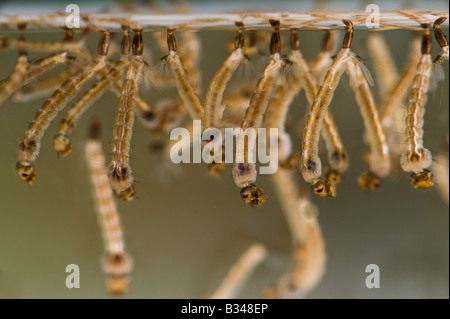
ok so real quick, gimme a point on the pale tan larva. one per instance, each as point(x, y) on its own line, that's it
point(416, 158)
point(30, 145)
point(337, 154)
point(244, 173)
point(443, 43)
point(240, 272)
point(323, 60)
point(119, 171)
point(117, 264)
point(308, 252)
point(184, 86)
point(378, 158)
point(311, 164)
point(214, 94)
point(43, 87)
point(61, 141)
point(13, 82)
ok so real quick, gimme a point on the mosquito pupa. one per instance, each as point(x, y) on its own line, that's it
point(416, 158)
point(13, 82)
point(184, 86)
point(240, 272)
point(117, 264)
point(337, 154)
point(311, 164)
point(443, 43)
point(244, 173)
point(30, 145)
point(218, 84)
point(119, 171)
point(378, 158)
point(61, 141)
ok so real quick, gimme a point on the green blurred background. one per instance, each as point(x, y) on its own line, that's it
point(186, 230)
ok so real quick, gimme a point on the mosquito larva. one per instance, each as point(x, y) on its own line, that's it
point(117, 264)
point(240, 272)
point(214, 94)
point(45, 86)
point(311, 164)
point(378, 158)
point(244, 173)
point(119, 171)
point(443, 43)
point(384, 65)
point(308, 252)
point(323, 60)
point(416, 158)
point(30, 145)
point(61, 141)
point(13, 82)
point(337, 154)
point(184, 86)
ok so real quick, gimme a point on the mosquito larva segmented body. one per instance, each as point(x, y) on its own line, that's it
point(244, 172)
point(61, 141)
point(308, 251)
point(13, 82)
point(311, 164)
point(239, 272)
point(443, 43)
point(184, 86)
point(323, 60)
point(119, 171)
point(213, 100)
point(416, 158)
point(30, 145)
point(378, 158)
point(117, 264)
point(337, 154)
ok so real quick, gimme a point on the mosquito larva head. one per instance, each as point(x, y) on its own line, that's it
point(253, 195)
point(138, 43)
point(369, 180)
point(26, 172)
point(244, 174)
point(339, 161)
point(121, 180)
point(117, 266)
point(348, 35)
point(422, 180)
point(61, 144)
point(103, 45)
point(332, 176)
point(323, 188)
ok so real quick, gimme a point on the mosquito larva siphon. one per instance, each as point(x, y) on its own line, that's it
point(239, 273)
point(311, 164)
point(117, 264)
point(378, 157)
point(30, 145)
point(416, 158)
point(184, 86)
point(244, 173)
point(443, 43)
point(61, 141)
point(308, 252)
point(337, 154)
point(214, 94)
point(119, 171)
point(13, 82)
